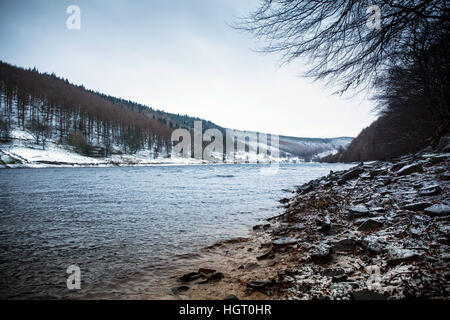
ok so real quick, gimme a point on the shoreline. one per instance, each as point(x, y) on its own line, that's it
point(376, 231)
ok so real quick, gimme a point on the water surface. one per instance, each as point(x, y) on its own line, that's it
point(125, 223)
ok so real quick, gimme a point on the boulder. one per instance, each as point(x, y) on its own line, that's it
point(231, 297)
point(322, 252)
point(437, 210)
point(357, 211)
point(333, 272)
point(409, 169)
point(345, 245)
point(373, 244)
point(370, 225)
point(190, 277)
point(349, 175)
point(260, 284)
point(416, 206)
point(284, 242)
point(430, 191)
point(399, 255)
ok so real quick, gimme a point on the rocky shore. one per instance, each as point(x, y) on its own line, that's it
point(380, 230)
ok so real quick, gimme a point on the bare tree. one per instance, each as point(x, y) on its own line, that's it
point(336, 37)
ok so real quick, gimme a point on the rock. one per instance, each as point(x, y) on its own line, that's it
point(333, 272)
point(399, 255)
point(372, 244)
point(206, 272)
point(370, 225)
point(398, 166)
point(367, 295)
point(260, 284)
point(430, 191)
point(250, 266)
point(267, 255)
point(409, 169)
point(378, 172)
point(217, 276)
point(298, 227)
point(439, 158)
point(180, 289)
point(261, 226)
point(231, 297)
point(345, 245)
point(322, 252)
point(437, 210)
point(281, 230)
point(284, 242)
point(416, 206)
point(340, 278)
point(445, 176)
point(324, 225)
point(349, 175)
point(305, 188)
point(357, 211)
point(284, 200)
point(190, 277)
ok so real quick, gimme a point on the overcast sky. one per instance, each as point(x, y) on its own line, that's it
point(180, 56)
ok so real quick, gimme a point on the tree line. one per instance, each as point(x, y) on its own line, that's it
point(403, 62)
point(51, 107)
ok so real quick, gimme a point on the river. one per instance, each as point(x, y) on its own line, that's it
point(125, 226)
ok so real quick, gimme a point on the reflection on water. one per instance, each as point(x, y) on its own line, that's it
point(119, 224)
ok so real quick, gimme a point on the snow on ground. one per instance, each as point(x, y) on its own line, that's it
point(23, 152)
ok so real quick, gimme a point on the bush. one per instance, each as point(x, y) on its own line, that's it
point(79, 143)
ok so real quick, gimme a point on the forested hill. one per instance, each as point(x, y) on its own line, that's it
point(51, 107)
point(92, 123)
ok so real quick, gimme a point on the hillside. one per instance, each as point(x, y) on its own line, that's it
point(47, 120)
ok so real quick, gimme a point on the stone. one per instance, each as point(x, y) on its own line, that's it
point(284, 242)
point(340, 278)
point(437, 210)
point(332, 272)
point(398, 166)
point(370, 225)
point(190, 277)
point(345, 245)
point(349, 175)
point(416, 206)
point(206, 272)
point(231, 297)
point(399, 255)
point(357, 211)
point(372, 244)
point(305, 188)
point(430, 191)
point(409, 169)
point(266, 255)
point(378, 172)
point(217, 276)
point(260, 284)
point(261, 226)
point(284, 200)
point(180, 289)
point(322, 252)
